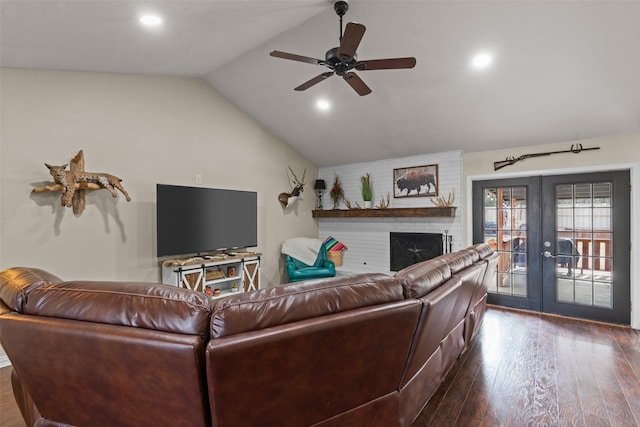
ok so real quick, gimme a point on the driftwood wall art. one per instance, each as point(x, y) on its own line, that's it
point(74, 182)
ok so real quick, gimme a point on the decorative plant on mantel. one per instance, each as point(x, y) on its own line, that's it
point(336, 193)
point(365, 181)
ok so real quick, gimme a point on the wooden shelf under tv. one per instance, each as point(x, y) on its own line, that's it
point(449, 211)
point(241, 269)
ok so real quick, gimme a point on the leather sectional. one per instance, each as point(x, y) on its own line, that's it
point(369, 349)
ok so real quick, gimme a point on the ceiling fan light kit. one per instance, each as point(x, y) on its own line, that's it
point(341, 7)
point(343, 60)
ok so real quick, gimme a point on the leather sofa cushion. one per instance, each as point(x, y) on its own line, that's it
point(458, 261)
point(142, 305)
point(17, 282)
point(419, 279)
point(483, 250)
point(475, 256)
point(298, 301)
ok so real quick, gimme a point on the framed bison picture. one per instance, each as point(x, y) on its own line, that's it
point(416, 181)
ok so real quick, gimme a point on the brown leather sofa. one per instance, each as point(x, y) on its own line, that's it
point(370, 349)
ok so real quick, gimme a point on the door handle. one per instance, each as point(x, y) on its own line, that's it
point(548, 254)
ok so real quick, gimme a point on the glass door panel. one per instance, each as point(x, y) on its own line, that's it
point(588, 224)
point(503, 224)
point(584, 241)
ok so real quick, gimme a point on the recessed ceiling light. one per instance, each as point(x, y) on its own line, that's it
point(482, 60)
point(323, 105)
point(150, 20)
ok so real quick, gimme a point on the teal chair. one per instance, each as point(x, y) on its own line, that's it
point(322, 267)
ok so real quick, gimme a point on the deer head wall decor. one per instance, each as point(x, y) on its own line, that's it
point(297, 186)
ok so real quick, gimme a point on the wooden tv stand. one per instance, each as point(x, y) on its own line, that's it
point(222, 274)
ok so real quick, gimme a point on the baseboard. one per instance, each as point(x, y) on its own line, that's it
point(4, 361)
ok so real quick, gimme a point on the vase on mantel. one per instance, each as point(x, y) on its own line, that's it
point(367, 204)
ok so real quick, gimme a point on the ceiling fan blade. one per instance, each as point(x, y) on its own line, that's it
point(314, 81)
point(350, 41)
point(356, 83)
point(385, 64)
point(294, 57)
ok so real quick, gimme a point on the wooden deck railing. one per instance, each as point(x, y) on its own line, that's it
point(594, 254)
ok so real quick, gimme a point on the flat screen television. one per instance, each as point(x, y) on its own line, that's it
point(198, 220)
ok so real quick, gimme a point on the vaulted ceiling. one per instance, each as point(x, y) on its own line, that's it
point(560, 70)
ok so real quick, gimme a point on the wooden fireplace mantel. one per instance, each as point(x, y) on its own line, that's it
point(449, 211)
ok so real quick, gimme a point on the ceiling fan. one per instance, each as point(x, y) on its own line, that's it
point(342, 60)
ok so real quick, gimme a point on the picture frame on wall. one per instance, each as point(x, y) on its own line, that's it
point(415, 181)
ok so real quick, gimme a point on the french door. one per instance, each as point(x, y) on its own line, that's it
point(563, 241)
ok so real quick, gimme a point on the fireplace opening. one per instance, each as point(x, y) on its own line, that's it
point(410, 248)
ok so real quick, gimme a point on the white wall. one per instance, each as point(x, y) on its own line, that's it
point(367, 239)
point(615, 153)
point(146, 130)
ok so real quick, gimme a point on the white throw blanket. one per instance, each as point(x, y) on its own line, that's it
point(302, 248)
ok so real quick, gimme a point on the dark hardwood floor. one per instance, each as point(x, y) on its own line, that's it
point(523, 369)
point(9, 412)
point(528, 369)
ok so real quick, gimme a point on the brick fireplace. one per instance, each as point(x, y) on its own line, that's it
point(410, 248)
